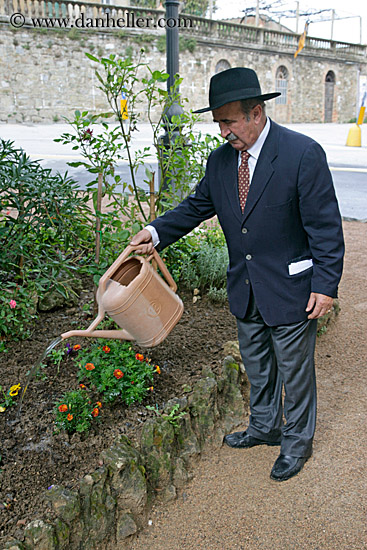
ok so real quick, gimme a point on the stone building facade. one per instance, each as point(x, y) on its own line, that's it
point(45, 74)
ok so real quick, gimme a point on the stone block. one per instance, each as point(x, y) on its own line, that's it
point(126, 476)
point(39, 535)
point(156, 447)
point(203, 409)
point(125, 527)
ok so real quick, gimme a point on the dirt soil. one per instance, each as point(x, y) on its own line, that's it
point(231, 502)
point(33, 458)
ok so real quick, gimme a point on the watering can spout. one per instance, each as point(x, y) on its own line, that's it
point(116, 334)
point(133, 294)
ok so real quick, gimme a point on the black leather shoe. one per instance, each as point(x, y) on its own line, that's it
point(242, 440)
point(286, 467)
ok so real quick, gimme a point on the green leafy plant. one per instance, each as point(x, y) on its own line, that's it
point(17, 312)
point(74, 412)
point(200, 260)
point(44, 232)
point(56, 357)
point(114, 370)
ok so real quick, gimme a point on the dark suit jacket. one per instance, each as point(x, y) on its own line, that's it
point(291, 214)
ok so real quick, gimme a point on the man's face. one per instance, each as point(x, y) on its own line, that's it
point(234, 126)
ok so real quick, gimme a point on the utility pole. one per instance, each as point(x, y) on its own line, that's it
point(332, 23)
point(257, 14)
point(297, 18)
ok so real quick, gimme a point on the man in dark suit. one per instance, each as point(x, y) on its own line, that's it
point(273, 194)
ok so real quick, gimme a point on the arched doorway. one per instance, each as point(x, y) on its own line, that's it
point(222, 65)
point(329, 96)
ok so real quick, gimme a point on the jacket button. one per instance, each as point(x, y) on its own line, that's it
point(244, 230)
point(248, 257)
point(247, 281)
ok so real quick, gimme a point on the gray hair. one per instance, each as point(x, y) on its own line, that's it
point(248, 104)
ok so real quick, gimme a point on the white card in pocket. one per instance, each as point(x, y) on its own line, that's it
point(298, 267)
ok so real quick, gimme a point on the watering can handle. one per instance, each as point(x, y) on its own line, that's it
point(130, 248)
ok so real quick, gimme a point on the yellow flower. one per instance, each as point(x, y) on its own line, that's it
point(2, 409)
point(158, 370)
point(14, 390)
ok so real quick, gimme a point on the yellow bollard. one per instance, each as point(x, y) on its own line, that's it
point(354, 136)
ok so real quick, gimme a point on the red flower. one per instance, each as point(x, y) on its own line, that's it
point(158, 370)
point(118, 374)
point(70, 417)
point(106, 349)
point(95, 412)
point(76, 347)
point(99, 404)
point(82, 386)
point(132, 381)
point(90, 366)
point(139, 357)
point(63, 408)
point(151, 388)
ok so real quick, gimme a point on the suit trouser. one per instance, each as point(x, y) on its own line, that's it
point(273, 357)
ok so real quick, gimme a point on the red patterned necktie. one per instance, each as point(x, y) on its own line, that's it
point(243, 179)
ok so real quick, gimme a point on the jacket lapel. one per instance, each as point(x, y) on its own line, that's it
point(229, 177)
point(264, 169)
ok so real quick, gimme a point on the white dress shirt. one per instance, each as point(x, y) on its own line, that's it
point(254, 152)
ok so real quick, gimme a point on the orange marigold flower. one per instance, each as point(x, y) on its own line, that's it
point(118, 374)
point(99, 404)
point(95, 412)
point(70, 417)
point(106, 349)
point(158, 370)
point(63, 408)
point(76, 347)
point(82, 386)
point(139, 357)
point(90, 366)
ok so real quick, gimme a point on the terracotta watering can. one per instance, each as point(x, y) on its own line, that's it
point(133, 294)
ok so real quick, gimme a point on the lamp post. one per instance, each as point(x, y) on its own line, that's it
point(172, 64)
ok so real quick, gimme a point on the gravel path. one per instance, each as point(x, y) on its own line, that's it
point(232, 503)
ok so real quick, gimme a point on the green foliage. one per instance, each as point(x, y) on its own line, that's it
point(17, 312)
point(200, 260)
point(188, 44)
point(44, 223)
point(161, 43)
point(74, 412)
point(172, 417)
point(114, 370)
point(197, 7)
point(57, 356)
point(207, 267)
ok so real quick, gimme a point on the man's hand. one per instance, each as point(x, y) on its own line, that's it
point(319, 304)
point(144, 238)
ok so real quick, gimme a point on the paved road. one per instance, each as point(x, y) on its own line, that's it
point(348, 164)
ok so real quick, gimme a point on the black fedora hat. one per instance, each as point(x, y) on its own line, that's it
point(233, 85)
